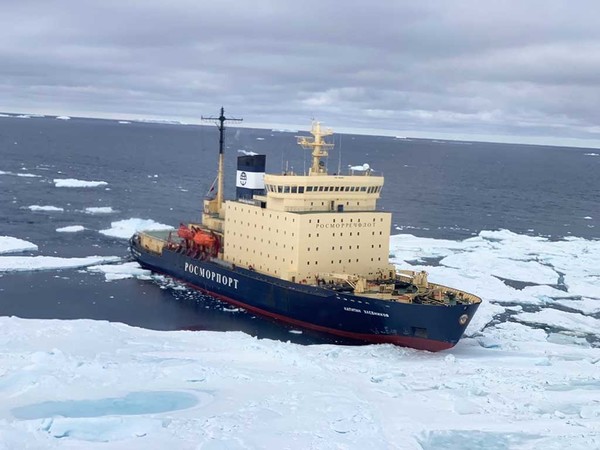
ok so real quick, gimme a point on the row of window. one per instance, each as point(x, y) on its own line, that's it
point(263, 215)
point(301, 189)
point(316, 263)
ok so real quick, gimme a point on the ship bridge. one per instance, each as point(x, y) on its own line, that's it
point(304, 226)
point(324, 193)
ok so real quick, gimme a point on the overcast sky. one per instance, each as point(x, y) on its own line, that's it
point(511, 70)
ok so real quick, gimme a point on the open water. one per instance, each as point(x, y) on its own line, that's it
point(438, 189)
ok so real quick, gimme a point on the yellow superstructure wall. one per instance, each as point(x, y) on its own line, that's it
point(269, 241)
point(264, 239)
point(355, 243)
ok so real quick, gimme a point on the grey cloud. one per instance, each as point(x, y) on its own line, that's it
point(468, 68)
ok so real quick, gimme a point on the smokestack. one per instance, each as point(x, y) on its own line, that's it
point(250, 179)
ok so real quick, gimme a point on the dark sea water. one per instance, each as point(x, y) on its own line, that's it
point(161, 172)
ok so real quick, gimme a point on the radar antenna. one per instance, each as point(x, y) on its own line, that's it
point(220, 122)
point(318, 146)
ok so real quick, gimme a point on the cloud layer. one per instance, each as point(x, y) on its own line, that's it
point(468, 69)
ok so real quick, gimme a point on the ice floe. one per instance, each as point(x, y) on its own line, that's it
point(28, 175)
point(121, 271)
point(63, 117)
point(99, 210)
point(20, 174)
point(9, 244)
point(124, 229)
point(85, 384)
point(72, 182)
point(34, 263)
point(571, 322)
point(70, 229)
point(507, 267)
point(45, 208)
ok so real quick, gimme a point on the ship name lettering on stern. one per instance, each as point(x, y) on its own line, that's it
point(211, 275)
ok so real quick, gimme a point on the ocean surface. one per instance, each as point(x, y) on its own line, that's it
point(439, 190)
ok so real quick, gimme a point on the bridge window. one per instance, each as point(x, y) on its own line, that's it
point(286, 189)
point(300, 189)
point(309, 188)
point(294, 189)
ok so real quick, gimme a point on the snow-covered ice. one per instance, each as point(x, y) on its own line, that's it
point(481, 263)
point(45, 208)
point(28, 175)
point(34, 263)
point(99, 210)
point(571, 322)
point(87, 384)
point(124, 229)
point(526, 376)
point(70, 229)
point(9, 244)
point(121, 271)
point(20, 174)
point(75, 183)
point(63, 117)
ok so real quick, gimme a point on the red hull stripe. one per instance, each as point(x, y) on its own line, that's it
point(403, 341)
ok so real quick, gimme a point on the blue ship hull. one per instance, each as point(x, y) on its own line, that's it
point(421, 326)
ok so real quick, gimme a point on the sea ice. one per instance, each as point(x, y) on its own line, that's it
point(20, 174)
point(124, 229)
point(28, 175)
point(99, 210)
point(9, 244)
point(45, 208)
point(83, 383)
point(572, 322)
point(121, 271)
point(72, 182)
point(70, 229)
point(63, 117)
point(31, 263)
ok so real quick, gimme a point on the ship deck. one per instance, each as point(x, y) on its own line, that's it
point(162, 235)
point(401, 291)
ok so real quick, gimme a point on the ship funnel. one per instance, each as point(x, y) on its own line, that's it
point(250, 178)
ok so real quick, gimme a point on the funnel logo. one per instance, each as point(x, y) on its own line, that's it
point(243, 178)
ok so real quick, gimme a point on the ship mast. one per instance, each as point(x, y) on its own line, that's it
point(318, 146)
point(221, 126)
